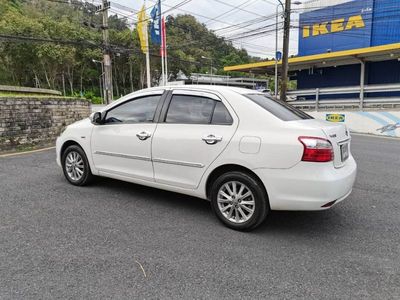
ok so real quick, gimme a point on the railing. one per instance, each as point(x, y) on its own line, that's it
point(357, 104)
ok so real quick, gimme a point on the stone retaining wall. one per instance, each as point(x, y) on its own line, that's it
point(30, 122)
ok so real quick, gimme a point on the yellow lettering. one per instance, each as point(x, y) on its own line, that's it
point(306, 31)
point(337, 25)
point(355, 22)
point(320, 29)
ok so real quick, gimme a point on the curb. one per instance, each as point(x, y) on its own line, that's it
point(26, 152)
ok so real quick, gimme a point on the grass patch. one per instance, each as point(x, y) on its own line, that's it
point(27, 147)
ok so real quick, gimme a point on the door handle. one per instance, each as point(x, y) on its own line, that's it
point(211, 139)
point(143, 135)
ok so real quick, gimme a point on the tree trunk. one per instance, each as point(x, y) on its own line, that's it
point(63, 83)
point(81, 82)
point(115, 79)
point(142, 76)
point(70, 73)
point(131, 75)
point(46, 76)
point(123, 79)
point(37, 81)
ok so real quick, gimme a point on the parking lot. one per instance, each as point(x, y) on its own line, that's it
point(121, 240)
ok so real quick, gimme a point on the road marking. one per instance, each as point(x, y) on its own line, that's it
point(26, 152)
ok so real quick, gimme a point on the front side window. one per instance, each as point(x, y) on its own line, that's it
point(140, 110)
point(187, 109)
point(279, 109)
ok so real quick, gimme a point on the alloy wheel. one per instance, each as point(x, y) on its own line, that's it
point(236, 202)
point(74, 166)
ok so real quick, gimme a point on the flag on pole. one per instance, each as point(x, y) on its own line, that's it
point(142, 29)
point(155, 28)
point(163, 50)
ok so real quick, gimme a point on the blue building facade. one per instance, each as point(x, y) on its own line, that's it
point(350, 25)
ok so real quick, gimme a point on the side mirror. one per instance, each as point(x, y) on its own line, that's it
point(96, 118)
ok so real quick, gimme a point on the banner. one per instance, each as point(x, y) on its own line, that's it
point(142, 29)
point(155, 30)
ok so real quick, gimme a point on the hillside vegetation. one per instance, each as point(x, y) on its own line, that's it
point(30, 57)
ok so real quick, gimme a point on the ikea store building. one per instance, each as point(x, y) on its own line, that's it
point(345, 44)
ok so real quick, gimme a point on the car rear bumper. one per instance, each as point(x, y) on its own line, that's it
point(308, 186)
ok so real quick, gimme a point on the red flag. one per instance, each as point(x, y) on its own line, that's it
point(163, 49)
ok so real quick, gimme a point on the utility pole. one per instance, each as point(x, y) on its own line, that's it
point(108, 88)
point(276, 47)
point(285, 56)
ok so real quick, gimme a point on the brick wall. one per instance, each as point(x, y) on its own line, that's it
point(26, 122)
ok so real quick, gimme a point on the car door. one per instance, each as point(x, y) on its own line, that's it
point(195, 127)
point(122, 144)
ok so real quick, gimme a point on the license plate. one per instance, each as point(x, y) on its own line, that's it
point(344, 150)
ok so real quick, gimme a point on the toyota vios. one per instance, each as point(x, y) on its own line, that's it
point(248, 154)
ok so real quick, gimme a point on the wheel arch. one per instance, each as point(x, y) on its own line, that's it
point(231, 168)
point(68, 143)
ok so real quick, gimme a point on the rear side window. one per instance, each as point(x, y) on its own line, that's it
point(187, 109)
point(221, 115)
point(279, 109)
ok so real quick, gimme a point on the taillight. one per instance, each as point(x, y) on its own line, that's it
point(316, 149)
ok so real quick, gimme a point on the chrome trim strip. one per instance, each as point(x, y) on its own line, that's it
point(178, 163)
point(123, 155)
point(344, 141)
point(195, 92)
point(163, 161)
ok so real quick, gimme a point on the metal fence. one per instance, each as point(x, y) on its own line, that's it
point(360, 103)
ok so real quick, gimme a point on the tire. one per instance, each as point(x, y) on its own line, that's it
point(75, 166)
point(236, 210)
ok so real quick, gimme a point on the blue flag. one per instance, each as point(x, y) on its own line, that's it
point(155, 28)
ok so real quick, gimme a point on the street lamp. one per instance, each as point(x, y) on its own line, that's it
point(102, 85)
point(211, 65)
point(276, 46)
point(286, 37)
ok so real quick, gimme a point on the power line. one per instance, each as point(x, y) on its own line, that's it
point(239, 7)
point(174, 25)
point(229, 11)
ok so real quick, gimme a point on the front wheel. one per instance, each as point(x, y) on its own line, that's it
point(76, 166)
point(239, 201)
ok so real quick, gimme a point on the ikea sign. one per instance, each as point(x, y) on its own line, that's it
point(337, 25)
point(334, 28)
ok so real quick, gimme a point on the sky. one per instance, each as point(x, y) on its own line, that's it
point(219, 14)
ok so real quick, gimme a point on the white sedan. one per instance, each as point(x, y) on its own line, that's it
point(246, 153)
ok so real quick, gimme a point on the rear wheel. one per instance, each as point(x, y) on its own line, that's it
point(76, 166)
point(239, 201)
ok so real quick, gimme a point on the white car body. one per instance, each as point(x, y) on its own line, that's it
point(176, 158)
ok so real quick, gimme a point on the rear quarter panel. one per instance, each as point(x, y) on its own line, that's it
point(278, 147)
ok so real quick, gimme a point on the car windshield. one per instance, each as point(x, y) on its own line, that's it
point(278, 108)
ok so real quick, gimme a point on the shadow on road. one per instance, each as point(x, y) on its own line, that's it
point(136, 192)
point(318, 223)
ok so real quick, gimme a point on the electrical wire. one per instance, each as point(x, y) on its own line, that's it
point(239, 7)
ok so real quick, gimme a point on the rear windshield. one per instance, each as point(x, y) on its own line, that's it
point(278, 108)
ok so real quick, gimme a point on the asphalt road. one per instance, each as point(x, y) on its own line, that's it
point(60, 241)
